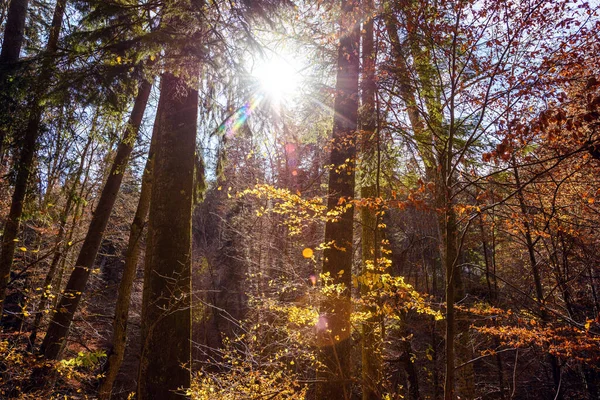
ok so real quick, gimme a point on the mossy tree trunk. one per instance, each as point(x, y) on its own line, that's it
point(166, 314)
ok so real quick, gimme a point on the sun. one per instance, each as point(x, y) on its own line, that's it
point(278, 78)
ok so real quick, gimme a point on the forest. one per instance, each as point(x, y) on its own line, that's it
point(300, 199)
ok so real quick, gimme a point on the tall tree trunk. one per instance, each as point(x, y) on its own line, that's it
point(493, 297)
point(371, 336)
point(65, 309)
point(334, 335)
point(12, 41)
point(451, 272)
point(132, 255)
point(454, 287)
point(166, 314)
point(11, 227)
point(14, 32)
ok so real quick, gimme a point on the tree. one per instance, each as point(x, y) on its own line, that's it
point(334, 336)
point(471, 135)
point(369, 212)
point(32, 131)
point(60, 247)
point(13, 34)
point(11, 49)
point(166, 313)
point(119, 341)
point(66, 307)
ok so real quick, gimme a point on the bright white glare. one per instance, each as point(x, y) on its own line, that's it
point(278, 78)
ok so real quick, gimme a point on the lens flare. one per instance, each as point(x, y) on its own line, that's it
point(322, 323)
point(235, 121)
point(278, 79)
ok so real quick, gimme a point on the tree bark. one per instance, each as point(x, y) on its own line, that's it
point(65, 309)
point(11, 227)
point(12, 41)
point(119, 343)
point(369, 168)
point(14, 32)
point(166, 314)
point(451, 273)
point(334, 333)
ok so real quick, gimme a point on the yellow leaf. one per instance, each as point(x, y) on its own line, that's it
point(23, 248)
point(119, 59)
point(307, 253)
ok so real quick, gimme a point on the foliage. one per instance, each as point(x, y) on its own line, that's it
point(479, 174)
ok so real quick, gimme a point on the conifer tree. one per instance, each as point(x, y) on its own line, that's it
point(334, 335)
point(25, 164)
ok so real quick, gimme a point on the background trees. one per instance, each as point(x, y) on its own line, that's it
point(459, 262)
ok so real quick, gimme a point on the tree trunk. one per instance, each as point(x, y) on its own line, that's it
point(14, 32)
point(493, 298)
point(334, 333)
point(12, 41)
point(11, 227)
point(451, 273)
point(166, 314)
point(369, 168)
point(65, 309)
point(119, 343)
